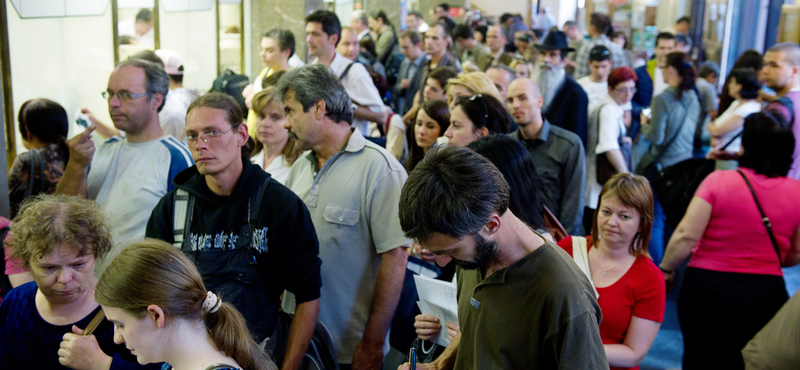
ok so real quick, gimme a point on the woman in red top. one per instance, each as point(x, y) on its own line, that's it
point(630, 287)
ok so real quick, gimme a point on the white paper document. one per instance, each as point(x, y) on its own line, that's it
point(438, 298)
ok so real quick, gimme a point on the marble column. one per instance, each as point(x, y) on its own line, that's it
point(289, 14)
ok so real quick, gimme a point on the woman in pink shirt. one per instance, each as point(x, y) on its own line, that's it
point(734, 283)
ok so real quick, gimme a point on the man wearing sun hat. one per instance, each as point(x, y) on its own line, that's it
point(565, 102)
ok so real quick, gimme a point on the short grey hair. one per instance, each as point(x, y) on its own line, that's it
point(360, 15)
point(156, 80)
point(315, 82)
point(508, 70)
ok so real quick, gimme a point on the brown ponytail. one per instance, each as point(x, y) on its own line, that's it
point(152, 272)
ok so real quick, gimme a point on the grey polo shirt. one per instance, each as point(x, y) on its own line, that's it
point(354, 204)
point(560, 164)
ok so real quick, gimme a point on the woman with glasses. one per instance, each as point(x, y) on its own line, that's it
point(475, 117)
point(607, 137)
point(275, 151)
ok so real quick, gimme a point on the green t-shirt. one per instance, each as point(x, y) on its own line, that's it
point(538, 313)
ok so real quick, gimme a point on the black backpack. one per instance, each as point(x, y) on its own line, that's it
point(232, 84)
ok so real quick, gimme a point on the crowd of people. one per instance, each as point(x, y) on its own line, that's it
point(521, 163)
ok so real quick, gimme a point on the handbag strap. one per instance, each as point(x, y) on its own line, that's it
point(669, 142)
point(764, 218)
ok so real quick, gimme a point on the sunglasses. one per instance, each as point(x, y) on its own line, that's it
point(483, 103)
point(599, 52)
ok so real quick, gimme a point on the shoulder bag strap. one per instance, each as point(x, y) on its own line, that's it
point(346, 71)
point(182, 216)
point(580, 253)
point(764, 218)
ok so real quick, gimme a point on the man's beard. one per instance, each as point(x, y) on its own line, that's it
point(549, 80)
point(486, 250)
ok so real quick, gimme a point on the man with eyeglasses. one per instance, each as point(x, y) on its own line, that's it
point(250, 237)
point(127, 176)
point(596, 84)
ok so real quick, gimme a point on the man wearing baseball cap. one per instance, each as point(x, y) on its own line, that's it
point(173, 116)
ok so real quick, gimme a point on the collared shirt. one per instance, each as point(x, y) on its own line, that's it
point(359, 86)
point(409, 69)
point(476, 52)
point(416, 64)
point(560, 163)
point(582, 55)
point(363, 34)
point(354, 203)
point(554, 324)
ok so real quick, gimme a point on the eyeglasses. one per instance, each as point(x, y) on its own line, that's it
point(211, 136)
point(122, 95)
point(483, 103)
point(626, 90)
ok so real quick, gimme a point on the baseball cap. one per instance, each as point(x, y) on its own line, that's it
point(171, 61)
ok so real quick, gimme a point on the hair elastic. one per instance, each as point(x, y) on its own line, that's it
point(212, 303)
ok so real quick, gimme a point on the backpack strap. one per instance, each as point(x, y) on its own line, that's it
point(257, 198)
point(182, 216)
point(346, 71)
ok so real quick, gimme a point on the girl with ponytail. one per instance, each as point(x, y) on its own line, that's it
point(43, 125)
point(161, 310)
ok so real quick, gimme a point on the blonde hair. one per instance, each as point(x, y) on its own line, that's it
point(476, 83)
point(261, 100)
point(47, 222)
point(153, 272)
point(633, 191)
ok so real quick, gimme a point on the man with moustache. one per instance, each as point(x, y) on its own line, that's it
point(557, 154)
point(565, 103)
point(127, 176)
point(250, 237)
point(522, 301)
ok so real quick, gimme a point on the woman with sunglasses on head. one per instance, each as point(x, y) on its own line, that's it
point(475, 117)
point(629, 287)
point(469, 84)
point(162, 312)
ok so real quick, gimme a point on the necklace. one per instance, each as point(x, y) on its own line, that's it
point(602, 265)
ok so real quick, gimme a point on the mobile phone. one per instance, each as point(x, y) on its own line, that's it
point(82, 119)
point(647, 112)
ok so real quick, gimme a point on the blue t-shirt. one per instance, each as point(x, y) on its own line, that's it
point(29, 342)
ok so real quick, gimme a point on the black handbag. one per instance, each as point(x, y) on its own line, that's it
point(604, 170)
point(675, 185)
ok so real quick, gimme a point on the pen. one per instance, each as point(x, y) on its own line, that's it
point(412, 358)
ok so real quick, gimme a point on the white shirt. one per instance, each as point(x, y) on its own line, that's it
point(595, 91)
point(128, 28)
point(279, 169)
point(658, 82)
point(172, 117)
point(600, 141)
point(363, 34)
point(737, 108)
point(359, 86)
point(127, 180)
point(296, 62)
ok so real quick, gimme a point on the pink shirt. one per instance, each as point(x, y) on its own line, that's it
point(735, 239)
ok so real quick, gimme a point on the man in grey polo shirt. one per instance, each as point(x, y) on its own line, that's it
point(352, 189)
point(557, 154)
